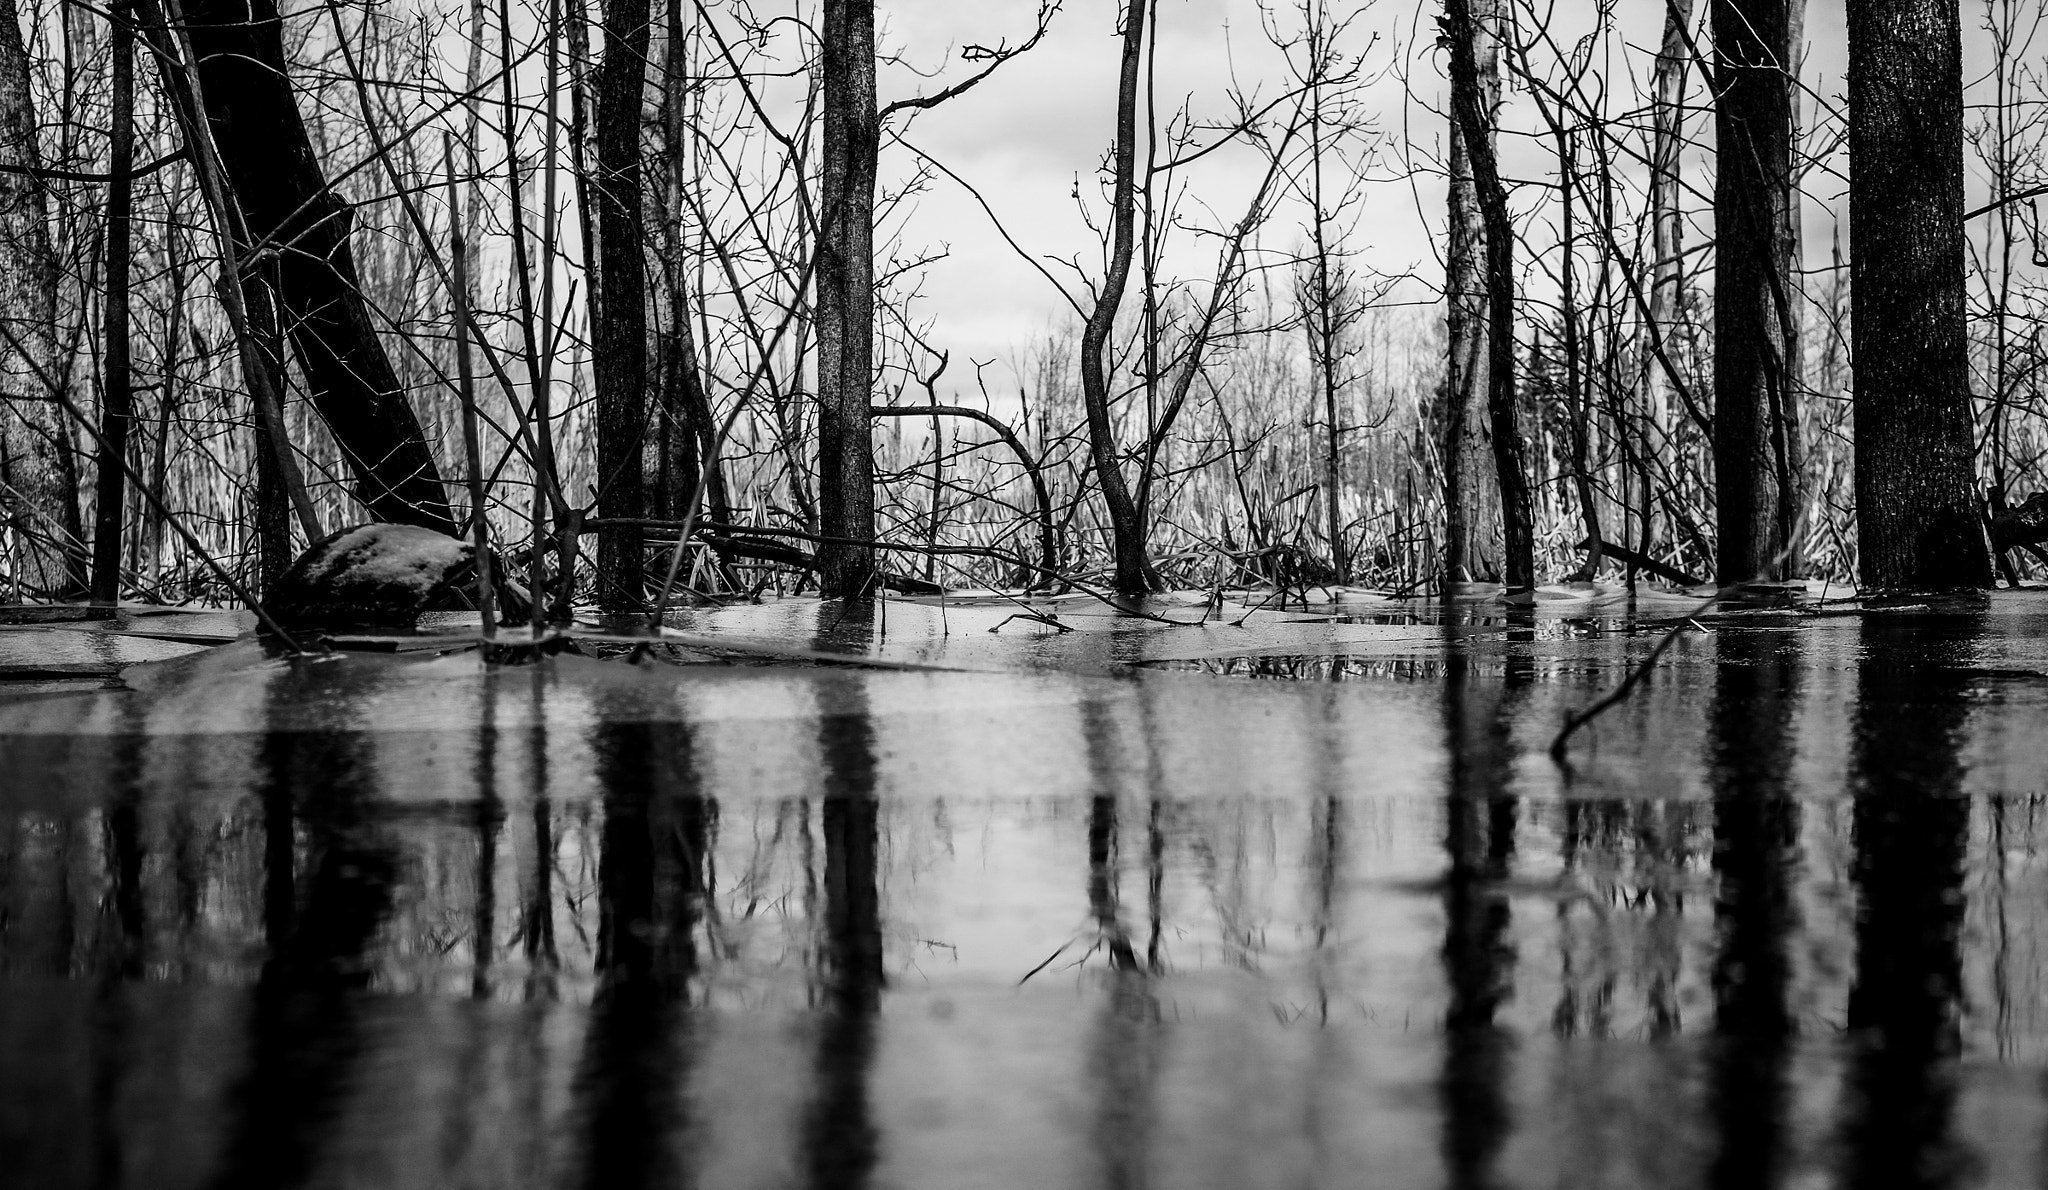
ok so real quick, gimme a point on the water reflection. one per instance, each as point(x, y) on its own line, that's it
point(841, 1141)
point(650, 882)
point(328, 871)
point(766, 926)
point(1750, 754)
point(1911, 829)
point(1480, 812)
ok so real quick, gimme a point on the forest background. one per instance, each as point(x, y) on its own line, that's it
point(411, 260)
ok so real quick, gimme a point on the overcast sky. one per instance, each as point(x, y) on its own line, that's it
point(1045, 120)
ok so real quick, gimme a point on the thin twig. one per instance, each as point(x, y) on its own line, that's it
point(1574, 722)
point(163, 510)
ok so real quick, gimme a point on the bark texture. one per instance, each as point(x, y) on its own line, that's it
point(620, 359)
point(1755, 338)
point(31, 431)
point(1471, 490)
point(1916, 513)
point(1134, 574)
point(1477, 121)
point(846, 299)
point(288, 208)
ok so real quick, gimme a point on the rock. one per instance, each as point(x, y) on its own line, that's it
point(370, 576)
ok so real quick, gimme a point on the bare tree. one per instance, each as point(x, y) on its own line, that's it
point(1756, 342)
point(291, 212)
point(31, 429)
point(1472, 523)
point(117, 398)
point(619, 361)
point(1916, 512)
point(1134, 573)
point(1476, 120)
point(846, 299)
point(1329, 296)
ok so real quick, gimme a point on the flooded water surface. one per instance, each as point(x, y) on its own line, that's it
point(1296, 904)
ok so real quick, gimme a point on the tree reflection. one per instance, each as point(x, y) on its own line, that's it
point(114, 1025)
point(651, 888)
point(841, 1144)
point(1910, 824)
point(328, 870)
point(1479, 846)
point(1756, 857)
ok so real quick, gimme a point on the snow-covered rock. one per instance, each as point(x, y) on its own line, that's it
point(369, 576)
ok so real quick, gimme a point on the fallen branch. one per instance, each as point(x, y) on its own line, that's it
point(1627, 556)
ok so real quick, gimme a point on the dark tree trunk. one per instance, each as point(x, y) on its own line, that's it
point(1755, 343)
point(117, 399)
point(1916, 514)
point(684, 401)
point(271, 515)
point(288, 206)
point(1472, 527)
point(1134, 573)
point(32, 438)
point(846, 284)
point(620, 360)
point(1475, 119)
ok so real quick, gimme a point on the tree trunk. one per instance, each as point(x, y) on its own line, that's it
point(30, 421)
point(1475, 118)
point(117, 398)
point(1916, 514)
point(1134, 573)
point(1471, 493)
point(1325, 323)
point(619, 361)
point(1667, 243)
point(288, 207)
point(1755, 345)
point(684, 400)
point(846, 298)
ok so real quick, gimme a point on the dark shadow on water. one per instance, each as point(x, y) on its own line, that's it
point(1480, 814)
point(1910, 835)
point(1756, 862)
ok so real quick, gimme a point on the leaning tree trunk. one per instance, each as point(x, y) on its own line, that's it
point(31, 429)
point(619, 362)
point(1134, 573)
point(1755, 345)
point(1916, 514)
point(1471, 493)
point(1475, 119)
point(287, 206)
point(846, 300)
